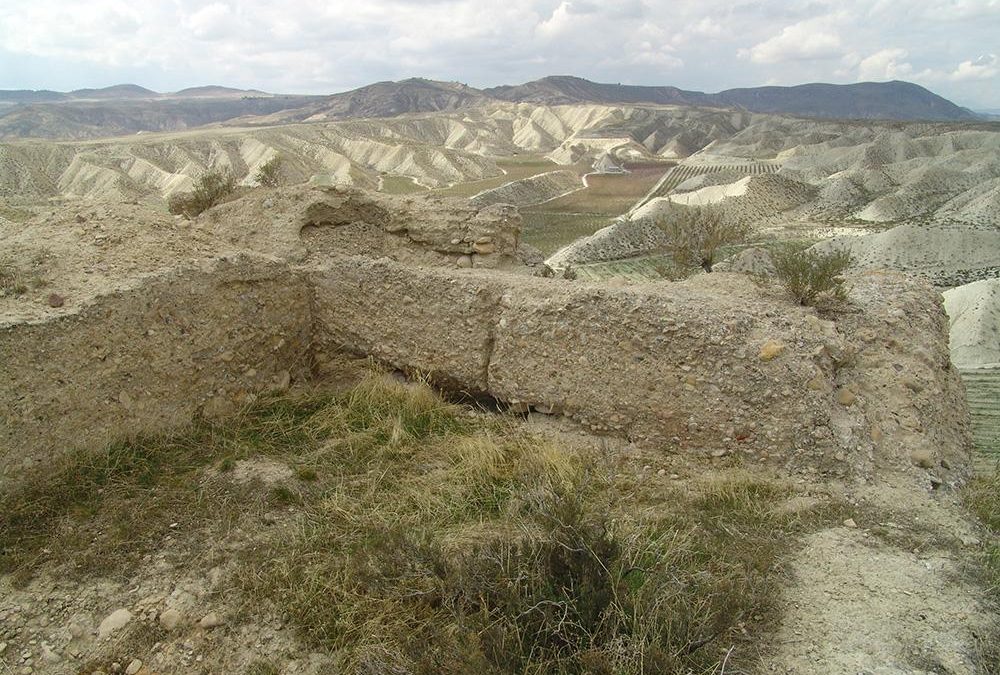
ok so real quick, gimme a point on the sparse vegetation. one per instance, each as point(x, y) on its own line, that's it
point(211, 188)
point(809, 274)
point(15, 214)
point(426, 539)
point(696, 233)
point(269, 173)
point(12, 280)
point(982, 496)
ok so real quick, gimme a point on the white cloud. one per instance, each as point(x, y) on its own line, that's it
point(807, 40)
point(558, 22)
point(985, 67)
point(212, 21)
point(887, 64)
point(331, 45)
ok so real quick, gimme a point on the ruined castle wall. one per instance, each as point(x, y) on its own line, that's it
point(196, 340)
point(715, 365)
point(675, 364)
point(438, 322)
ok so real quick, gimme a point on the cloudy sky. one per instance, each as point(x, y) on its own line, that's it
point(323, 46)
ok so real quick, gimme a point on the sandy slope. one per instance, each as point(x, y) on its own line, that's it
point(974, 311)
point(947, 255)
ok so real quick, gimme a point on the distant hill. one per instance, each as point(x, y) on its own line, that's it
point(116, 92)
point(865, 100)
point(31, 96)
point(388, 99)
point(129, 108)
point(121, 92)
point(96, 118)
point(214, 91)
point(565, 89)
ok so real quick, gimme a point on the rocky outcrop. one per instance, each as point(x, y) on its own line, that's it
point(294, 222)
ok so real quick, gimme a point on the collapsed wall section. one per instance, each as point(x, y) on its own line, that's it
point(687, 366)
point(198, 339)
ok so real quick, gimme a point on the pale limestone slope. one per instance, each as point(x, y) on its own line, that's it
point(974, 311)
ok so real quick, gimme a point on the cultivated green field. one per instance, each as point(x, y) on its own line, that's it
point(400, 185)
point(549, 231)
point(557, 223)
point(611, 194)
point(515, 168)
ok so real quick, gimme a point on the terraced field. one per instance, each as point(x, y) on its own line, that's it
point(514, 168)
point(400, 185)
point(611, 194)
point(682, 172)
point(649, 268)
point(556, 223)
point(549, 231)
point(983, 392)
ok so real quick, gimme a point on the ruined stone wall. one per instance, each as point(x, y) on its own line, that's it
point(149, 358)
point(714, 365)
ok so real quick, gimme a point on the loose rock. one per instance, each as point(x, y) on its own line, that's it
point(771, 350)
point(211, 620)
point(846, 397)
point(170, 618)
point(113, 622)
point(922, 457)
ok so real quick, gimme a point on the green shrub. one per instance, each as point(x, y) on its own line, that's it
point(210, 189)
point(808, 274)
point(696, 233)
point(269, 174)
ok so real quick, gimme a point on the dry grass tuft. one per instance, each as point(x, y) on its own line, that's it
point(12, 281)
point(428, 539)
point(982, 496)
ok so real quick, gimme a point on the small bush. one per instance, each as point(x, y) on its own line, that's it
point(808, 274)
point(696, 233)
point(269, 174)
point(210, 189)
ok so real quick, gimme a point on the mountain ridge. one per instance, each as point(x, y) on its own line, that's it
point(124, 109)
point(865, 100)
